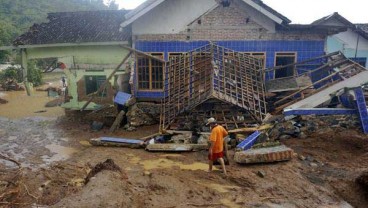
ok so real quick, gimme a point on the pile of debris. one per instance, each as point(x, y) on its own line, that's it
point(303, 126)
point(143, 113)
point(2, 101)
point(11, 85)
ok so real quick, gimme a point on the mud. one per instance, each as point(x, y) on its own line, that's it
point(56, 159)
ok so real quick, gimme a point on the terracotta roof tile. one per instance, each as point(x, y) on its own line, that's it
point(77, 27)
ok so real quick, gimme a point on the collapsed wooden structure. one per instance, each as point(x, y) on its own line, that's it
point(316, 79)
point(213, 73)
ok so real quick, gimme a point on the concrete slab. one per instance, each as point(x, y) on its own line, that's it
point(116, 142)
point(264, 155)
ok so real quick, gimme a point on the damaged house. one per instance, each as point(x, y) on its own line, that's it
point(216, 52)
point(187, 60)
point(87, 46)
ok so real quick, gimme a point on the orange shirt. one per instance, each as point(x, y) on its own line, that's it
point(217, 137)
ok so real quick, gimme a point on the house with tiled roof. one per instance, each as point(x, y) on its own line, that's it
point(88, 46)
point(353, 42)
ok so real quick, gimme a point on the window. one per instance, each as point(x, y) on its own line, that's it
point(282, 59)
point(93, 83)
point(150, 72)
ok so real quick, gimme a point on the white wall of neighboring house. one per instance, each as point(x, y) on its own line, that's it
point(346, 42)
point(350, 39)
point(171, 17)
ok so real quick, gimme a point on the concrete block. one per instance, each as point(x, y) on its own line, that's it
point(264, 155)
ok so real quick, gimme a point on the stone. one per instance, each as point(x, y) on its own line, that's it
point(97, 126)
point(284, 137)
point(147, 173)
point(309, 158)
point(301, 157)
point(131, 128)
point(203, 139)
point(264, 155)
point(313, 165)
point(302, 135)
point(182, 138)
point(261, 173)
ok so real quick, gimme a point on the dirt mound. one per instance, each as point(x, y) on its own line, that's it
point(107, 165)
point(363, 181)
point(106, 189)
point(2, 101)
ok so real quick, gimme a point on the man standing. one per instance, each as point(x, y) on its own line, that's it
point(216, 150)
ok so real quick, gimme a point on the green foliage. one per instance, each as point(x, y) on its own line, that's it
point(16, 16)
point(34, 74)
point(11, 73)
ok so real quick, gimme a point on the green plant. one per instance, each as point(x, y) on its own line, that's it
point(34, 74)
point(11, 73)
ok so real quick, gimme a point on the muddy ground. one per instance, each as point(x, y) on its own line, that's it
point(55, 159)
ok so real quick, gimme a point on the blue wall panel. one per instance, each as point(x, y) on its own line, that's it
point(304, 49)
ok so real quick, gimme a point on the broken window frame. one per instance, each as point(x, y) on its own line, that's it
point(98, 84)
point(285, 54)
point(153, 81)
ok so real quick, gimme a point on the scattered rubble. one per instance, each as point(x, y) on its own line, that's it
point(140, 114)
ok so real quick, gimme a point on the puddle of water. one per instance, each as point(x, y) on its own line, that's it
point(229, 203)
point(219, 187)
point(172, 155)
point(61, 153)
point(21, 105)
point(85, 143)
point(166, 163)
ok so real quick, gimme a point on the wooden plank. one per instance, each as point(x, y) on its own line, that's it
point(251, 129)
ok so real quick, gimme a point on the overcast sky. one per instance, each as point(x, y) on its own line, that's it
point(303, 11)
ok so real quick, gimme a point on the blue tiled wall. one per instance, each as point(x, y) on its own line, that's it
point(304, 49)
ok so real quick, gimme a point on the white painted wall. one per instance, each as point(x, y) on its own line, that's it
point(172, 16)
point(349, 38)
point(258, 17)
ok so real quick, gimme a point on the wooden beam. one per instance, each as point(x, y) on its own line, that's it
point(142, 53)
point(321, 80)
point(102, 87)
